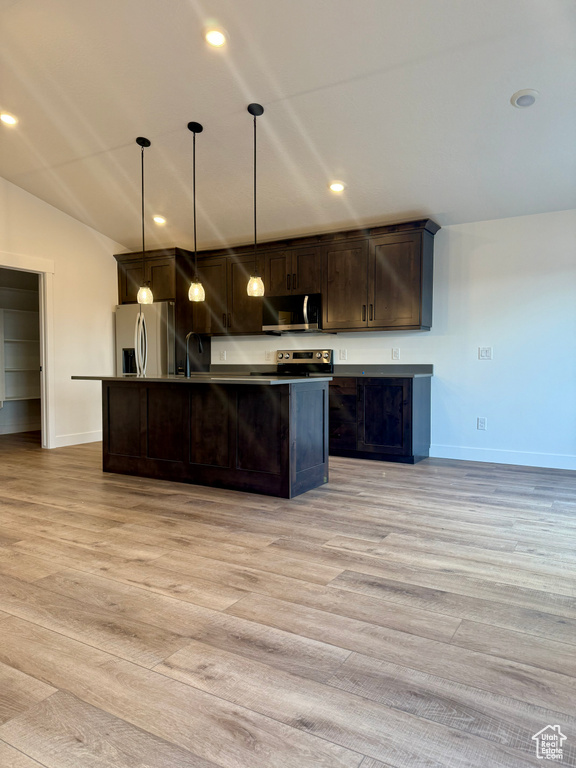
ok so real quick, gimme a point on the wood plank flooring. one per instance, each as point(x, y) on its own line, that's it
point(400, 617)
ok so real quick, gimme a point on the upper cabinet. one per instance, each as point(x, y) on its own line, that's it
point(293, 270)
point(345, 285)
point(382, 281)
point(228, 308)
point(210, 316)
point(159, 271)
point(375, 279)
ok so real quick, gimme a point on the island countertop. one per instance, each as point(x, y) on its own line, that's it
point(211, 378)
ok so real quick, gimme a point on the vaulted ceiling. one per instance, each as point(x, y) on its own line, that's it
point(407, 101)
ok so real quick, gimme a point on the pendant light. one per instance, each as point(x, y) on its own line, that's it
point(255, 285)
point(196, 291)
point(144, 292)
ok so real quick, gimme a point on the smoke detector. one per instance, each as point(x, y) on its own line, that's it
point(524, 98)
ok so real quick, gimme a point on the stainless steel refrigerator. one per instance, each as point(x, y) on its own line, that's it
point(145, 344)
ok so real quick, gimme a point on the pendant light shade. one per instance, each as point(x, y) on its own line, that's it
point(196, 291)
point(255, 284)
point(144, 292)
point(145, 295)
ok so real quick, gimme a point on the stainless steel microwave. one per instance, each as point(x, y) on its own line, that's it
point(284, 314)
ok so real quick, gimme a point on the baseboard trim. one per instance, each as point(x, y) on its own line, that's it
point(62, 441)
point(498, 456)
point(13, 429)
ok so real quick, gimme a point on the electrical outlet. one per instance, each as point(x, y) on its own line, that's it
point(268, 355)
point(395, 353)
point(484, 353)
point(222, 355)
point(342, 354)
point(481, 422)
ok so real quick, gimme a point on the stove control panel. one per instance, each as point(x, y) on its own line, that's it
point(306, 356)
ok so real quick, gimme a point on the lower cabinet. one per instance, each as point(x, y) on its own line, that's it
point(387, 419)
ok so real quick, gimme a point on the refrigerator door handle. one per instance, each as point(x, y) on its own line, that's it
point(137, 344)
point(144, 348)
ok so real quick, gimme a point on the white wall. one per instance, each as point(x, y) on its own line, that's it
point(81, 293)
point(509, 284)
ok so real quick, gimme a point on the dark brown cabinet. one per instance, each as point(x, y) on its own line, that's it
point(386, 419)
point(210, 316)
point(400, 281)
point(382, 281)
point(345, 285)
point(375, 279)
point(228, 309)
point(159, 271)
point(293, 270)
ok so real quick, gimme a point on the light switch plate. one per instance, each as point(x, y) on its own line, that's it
point(395, 353)
point(484, 353)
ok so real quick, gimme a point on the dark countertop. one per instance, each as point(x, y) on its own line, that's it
point(373, 371)
point(211, 377)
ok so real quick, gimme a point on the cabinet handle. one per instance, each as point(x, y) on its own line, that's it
point(370, 315)
point(224, 319)
point(294, 281)
point(229, 320)
point(363, 312)
point(287, 282)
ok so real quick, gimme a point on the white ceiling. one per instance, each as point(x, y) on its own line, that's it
point(405, 100)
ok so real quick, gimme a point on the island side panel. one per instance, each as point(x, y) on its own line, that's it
point(309, 436)
point(121, 424)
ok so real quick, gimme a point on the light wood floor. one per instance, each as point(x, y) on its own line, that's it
point(402, 616)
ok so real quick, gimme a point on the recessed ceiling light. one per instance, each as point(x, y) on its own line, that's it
point(337, 186)
point(215, 36)
point(524, 98)
point(8, 119)
point(159, 220)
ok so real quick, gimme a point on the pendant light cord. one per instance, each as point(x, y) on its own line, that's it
point(255, 235)
point(143, 240)
point(194, 204)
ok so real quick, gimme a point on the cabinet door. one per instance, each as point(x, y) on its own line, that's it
point(306, 266)
point(162, 276)
point(160, 272)
point(385, 416)
point(244, 312)
point(395, 281)
point(343, 414)
point(129, 280)
point(277, 269)
point(210, 316)
point(345, 286)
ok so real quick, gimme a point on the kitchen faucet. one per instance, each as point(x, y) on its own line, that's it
point(200, 350)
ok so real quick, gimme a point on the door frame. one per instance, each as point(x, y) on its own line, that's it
point(44, 268)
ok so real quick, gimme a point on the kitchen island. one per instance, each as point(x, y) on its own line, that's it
point(266, 434)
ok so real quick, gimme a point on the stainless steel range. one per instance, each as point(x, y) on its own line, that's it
point(294, 362)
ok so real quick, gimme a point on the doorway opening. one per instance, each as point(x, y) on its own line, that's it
point(20, 358)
